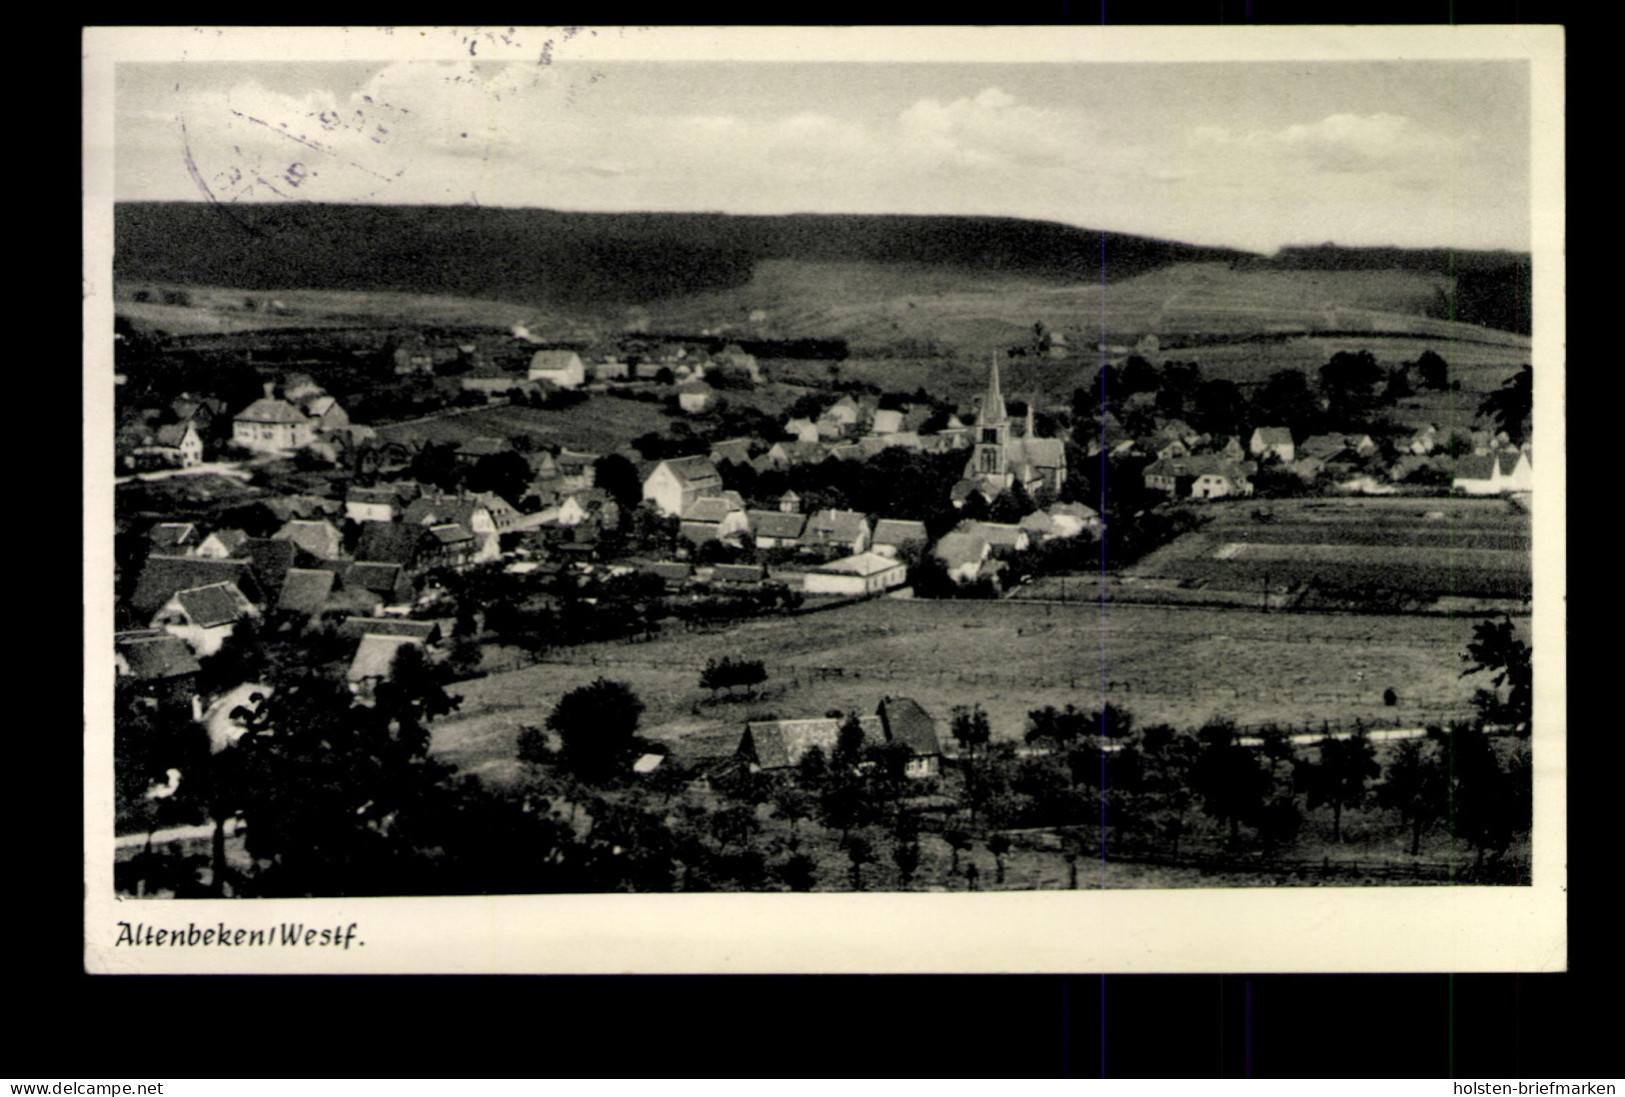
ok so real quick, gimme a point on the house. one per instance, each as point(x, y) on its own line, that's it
point(325, 411)
point(355, 628)
point(802, 430)
point(738, 574)
point(562, 368)
point(269, 561)
point(893, 535)
point(466, 511)
point(735, 357)
point(162, 577)
point(451, 544)
point(389, 583)
point(204, 616)
point(1205, 476)
point(592, 504)
point(863, 573)
point(695, 397)
point(844, 412)
point(173, 539)
point(886, 421)
point(1232, 450)
point(962, 554)
point(575, 471)
point(1424, 441)
point(222, 544)
point(790, 502)
point(319, 538)
point(1038, 526)
point(306, 590)
point(902, 720)
point(673, 573)
point(473, 450)
point(390, 543)
point(162, 665)
point(676, 482)
point(735, 450)
point(183, 441)
point(1493, 474)
point(1322, 447)
point(781, 744)
point(1071, 519)
point(374, 662)
point(783, 455)
point(272, 425)
point(1269, 442)
point(844, 529)
point(776, 528)
point(713, 518)
point(1002, 538)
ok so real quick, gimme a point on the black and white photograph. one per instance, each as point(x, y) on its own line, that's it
point(854, 476)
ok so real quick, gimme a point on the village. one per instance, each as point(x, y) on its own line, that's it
point(286, 522)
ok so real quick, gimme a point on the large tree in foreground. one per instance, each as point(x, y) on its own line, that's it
point(597, 727)
point(1512, 404)
point(1496, 648)
point(1338, 778)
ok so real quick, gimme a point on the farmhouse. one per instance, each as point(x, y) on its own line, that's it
point(319, 538)
point(204, 616)
point(962, 555)
point(865, 573)
point(374, 662)
point(162, 577)
point(1205, 476)
point(562, 368)
point(222, 544)
point(1494, 474)
point(305, 590)
point(902, 720)
point(892, 535)
point(467, 512)
point(590, 504)
point(1272, 442)
point(713, 518)
point(776, 528)
point(676, 482)
point(270, 425)
point(845, 529)
point(781, 744)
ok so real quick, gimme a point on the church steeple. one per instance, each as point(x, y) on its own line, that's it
point(993, 411)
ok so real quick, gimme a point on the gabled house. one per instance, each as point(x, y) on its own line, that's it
point(1071, 519)
point(562, 368)
point(374, 662)
point(320, 538)
point(1493, 474)
point(844, 529)
point(306, 590)
point(204, 616)
point(397, 543)
point(173, 539)
point(162, 666)
point(781, 744)
point(783, 455)
point(734, 450)
point(325, 412)
point(892, 535)
point(162, 577)
point(425, 632)
point(903, 720)
point(676, 482)
point(802, 430)
point(695, 397)
point(465, 511)
point(776, 528)
point(738, 575)
point(371, 504)
point(1002, 538)
point(272, 425)
point(886, 421)
point(590, 505)
point(1269, 442)
point(962, 555)
point(863, 573)
point(713, 518)
point(1424, 441)
point(1204, 476)
point(222, 544)
point(183, 440)
point(389, 583)
point(673, 573)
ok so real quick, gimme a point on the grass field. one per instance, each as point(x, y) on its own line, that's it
point(1162, 663)
point(1421, 548)
point(599, 425)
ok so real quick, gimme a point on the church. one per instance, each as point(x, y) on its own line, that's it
point(998, 461)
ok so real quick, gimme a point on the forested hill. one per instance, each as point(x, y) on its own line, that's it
point(545, 255)
point(1491, 288)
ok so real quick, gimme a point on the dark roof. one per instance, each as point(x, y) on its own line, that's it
point(172, 534)
point(1274, 436)
point(897, 531)
point(735, 450)
point(906, 722)
point(354, 628)
point(152, 658)
point(305, 589)
point(451, 534)
point(389, 543)
point(165, 576)
point(375, 656)
point(484, 447)
point(693, 470)
point(270, 410)
point(211, 606)
point(775, 744)
point(738, 573)
point(270, 559)
point(670, 570)
point(835, 525)
point(783, 525)
point(380, 578)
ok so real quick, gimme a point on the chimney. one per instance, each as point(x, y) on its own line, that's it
point(270, 390)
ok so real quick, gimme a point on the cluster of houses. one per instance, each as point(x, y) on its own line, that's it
point(779, 746)
point(1191, 465)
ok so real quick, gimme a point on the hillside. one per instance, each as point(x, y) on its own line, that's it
point(543, 256)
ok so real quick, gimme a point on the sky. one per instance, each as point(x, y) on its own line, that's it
point(1253, 155)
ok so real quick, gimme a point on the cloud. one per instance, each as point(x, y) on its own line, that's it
point(990, 129)
point(1343, 144)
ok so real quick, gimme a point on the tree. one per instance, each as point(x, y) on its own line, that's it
point(1483, 801)
point(1496, 648)
point(1231, 779)
point(959, 841)
point(860, 851)
point(1285, 400)
point(1338, 778)
point(906, 856)
point(1415, 786)
point(793, 804)
point(970, 728)
point(597, 725)
point(618, 476)
point(998, 845)
point(1349, 382)
point(507, 474)
point(799, 872)
point(848, 745)
point(1433, 370)
point(1511, 404)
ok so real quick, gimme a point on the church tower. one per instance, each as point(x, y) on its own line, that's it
point(992, 430)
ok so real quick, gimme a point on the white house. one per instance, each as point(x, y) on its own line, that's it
point(1268, 441)
point(562, 368)
point(270, 425)
point(204, 616)
point(865, 573)
point(676, 482)
point(1493, 474)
